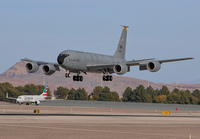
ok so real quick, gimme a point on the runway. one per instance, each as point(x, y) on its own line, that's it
point(122, 105)
point(98, 115)
point(20, 121)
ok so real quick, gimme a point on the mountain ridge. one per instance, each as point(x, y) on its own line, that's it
point(18, 76)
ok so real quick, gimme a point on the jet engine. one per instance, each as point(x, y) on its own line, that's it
point(153, 66)
point(48, 69)
point(120, 69)
point(32, 67)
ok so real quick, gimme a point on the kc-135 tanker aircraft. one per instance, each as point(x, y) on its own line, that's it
point(82, 62)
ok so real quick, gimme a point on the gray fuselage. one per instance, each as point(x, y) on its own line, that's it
point(77, 60)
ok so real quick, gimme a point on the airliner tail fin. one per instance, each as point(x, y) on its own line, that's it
point(44, 94)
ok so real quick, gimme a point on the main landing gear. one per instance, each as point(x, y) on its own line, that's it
point(107, 78)
point(75, 77)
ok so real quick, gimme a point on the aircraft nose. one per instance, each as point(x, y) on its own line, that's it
point(61, 58)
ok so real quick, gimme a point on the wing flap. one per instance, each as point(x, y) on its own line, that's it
point(138, 62)
point(100, 66)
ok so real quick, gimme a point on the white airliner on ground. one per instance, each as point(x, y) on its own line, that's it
point(31, 98)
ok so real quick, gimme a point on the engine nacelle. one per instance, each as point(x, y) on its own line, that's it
point(153, 66)
point(32, 67)
point(120, 69)
point(48, 69)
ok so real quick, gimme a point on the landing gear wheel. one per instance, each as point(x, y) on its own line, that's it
point(107, 78)
point(104, 78)
point(110, 78)
point(81, 78)
point(74, 78)
point(67, 75)
point(77, 78)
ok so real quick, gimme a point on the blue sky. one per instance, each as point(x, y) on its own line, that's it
point(41, 29)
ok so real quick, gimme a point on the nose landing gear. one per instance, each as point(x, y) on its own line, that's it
point(67, 75)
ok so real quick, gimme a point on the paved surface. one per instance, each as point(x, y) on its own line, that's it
point(126, 105)
point(145, 124)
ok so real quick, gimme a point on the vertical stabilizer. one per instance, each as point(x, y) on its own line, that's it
point(121, 48)
point(44, 94)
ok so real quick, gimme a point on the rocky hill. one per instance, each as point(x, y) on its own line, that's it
point(18, 76)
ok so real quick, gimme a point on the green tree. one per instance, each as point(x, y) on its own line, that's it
point(2, 96)
point(20, 89)
point(31, 89)
point(141, 95)
point(164, 91)
point(153, 93)
point(182, 97)
point(10, 89)
point(126, 96)
point(176, 90)
point(160, 99)
point(188, 98)
point(173, 98)
point(96, 92)
point(196, 93)
point(107, 95)
point(71, 94)
point(81, 94)
point(115, 96)
point(61, 92)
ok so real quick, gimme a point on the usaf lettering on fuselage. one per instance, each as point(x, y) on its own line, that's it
point(74, 60)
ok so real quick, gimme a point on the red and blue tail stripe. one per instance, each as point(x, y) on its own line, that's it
point(44, 94)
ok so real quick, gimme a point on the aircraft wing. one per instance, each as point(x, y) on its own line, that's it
point(144, 61)
point(43, 63)
point(134, 63)
point(104, 66)
point(172, 60)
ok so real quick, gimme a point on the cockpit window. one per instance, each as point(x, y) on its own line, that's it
point(19, 98)
point(64, 55)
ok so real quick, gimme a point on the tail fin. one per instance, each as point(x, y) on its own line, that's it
point(44, 94)
point(121, 48)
